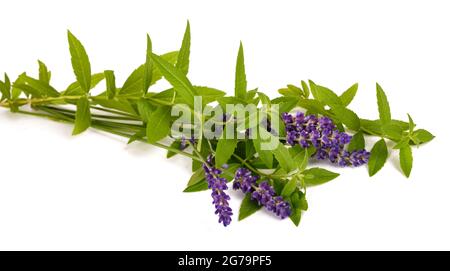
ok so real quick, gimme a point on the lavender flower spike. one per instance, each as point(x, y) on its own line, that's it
point(218, 184)
point(262, 193)
point(322, 133)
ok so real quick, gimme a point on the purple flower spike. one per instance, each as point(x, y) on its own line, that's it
point(322, 133)
point(262, 193)
point(218, 184)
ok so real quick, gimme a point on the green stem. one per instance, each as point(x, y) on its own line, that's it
point(244, 162)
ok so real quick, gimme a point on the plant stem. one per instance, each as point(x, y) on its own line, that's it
point(57, 116)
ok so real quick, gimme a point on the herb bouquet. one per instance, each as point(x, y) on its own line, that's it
point(261, 145)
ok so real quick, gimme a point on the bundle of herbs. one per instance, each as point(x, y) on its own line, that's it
point(261, 145)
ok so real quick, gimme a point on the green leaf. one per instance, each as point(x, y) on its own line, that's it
point(175, 145)
point(5, 88)
point(248, 207)
point(183, 55)
point(137, 136)
point(347, 117)
point(44, 73)
point(289, 188)
point(378, 156)
point(197, 176)
point(228, 174)
point(209, 94)
point(240, 84)
point(392, 131)
point(299, 204)
point(290, 92)
point(133, 84)
point(265, 155)
point(177, 79)
point(80, 62)
point(110, 84)
point(357, 142)
point(317, 176)
point(200, 186)
point(411, 124)
point(402, 143)
point(82, 116)
point(406, 159)
point(75, 88)
point(225, 148)
point(122, 104)
point(327, 96)
point(302, 159)
point(306, 90)
point(374, 127)
point(383, 106)
point(423, 135)
point(148, 66)
point(145, 109)
point(284, 158)
point(313, 106)
point(36, 88)
point(158, 126)
point(349, 94)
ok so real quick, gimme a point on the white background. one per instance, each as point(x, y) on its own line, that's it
point(93, 192)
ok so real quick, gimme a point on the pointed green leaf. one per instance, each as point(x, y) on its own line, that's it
point(248, 207)
point(349, 94)
point(158, 126)
point(402, 143)
point(406, 159)
point(80, 62)
point(175, 145)
point(183, 55)
point(298, 204)
point(357, 142)
point(5, 88)
point(133, 84)
point(228, 174)
point(148, 66)
point(423, 136)
point(82, 116)
point(265, 155)
point(110, 84)
point(378, 156)
point(411, 124)
point(306, 90)
point(145, 109)
point(75, 88)
point(347, 117)
point(383, 106)
point(137, 136)
point(284, 158)
point(44, 73)
point(240, 83)
point(197, 176)
point(289, 188)
point(177, 79)
point(327, 96)
point(36, 88)
point(316, 176)
point(225, 148)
